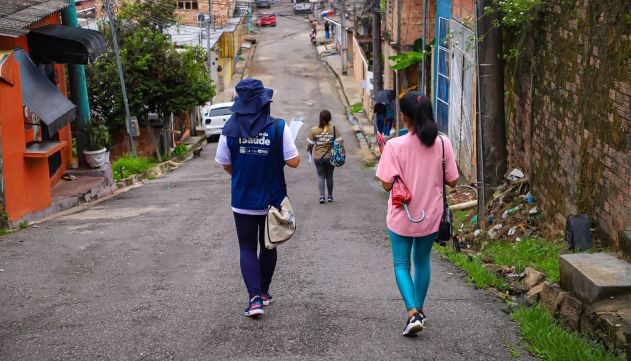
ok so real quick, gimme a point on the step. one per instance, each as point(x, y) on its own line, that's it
point(596, 276)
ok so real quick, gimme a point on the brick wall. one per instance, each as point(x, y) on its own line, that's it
point(570, 114)
point(222, 12)
point(411, 21)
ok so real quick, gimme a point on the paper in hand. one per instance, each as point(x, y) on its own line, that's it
point(295, 125)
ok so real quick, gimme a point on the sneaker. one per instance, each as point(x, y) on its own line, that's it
point(330, 199)
point(321, 199)
point(414, 325)
point(255, 308)
point(267, 299)
point(422, 317)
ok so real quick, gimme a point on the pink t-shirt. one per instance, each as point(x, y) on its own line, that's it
point(420, 168)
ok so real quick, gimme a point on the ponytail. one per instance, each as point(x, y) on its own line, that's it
point(418, 109)
point(325, 118)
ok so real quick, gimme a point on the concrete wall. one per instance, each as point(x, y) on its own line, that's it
point(222, 12)
point(360, 71)
point(570, 114)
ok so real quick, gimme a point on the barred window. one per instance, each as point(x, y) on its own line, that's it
point(187, 4)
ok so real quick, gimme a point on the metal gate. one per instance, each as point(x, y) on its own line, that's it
point(462, 98)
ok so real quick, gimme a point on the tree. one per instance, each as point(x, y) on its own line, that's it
point(159, 78)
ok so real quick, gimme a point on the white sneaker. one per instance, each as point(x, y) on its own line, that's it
point(414, 326)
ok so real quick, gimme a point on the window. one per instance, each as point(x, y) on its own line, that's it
point(187, 4)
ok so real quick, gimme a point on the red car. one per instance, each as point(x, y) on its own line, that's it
point(268, 19)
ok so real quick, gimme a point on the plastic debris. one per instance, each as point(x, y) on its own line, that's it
point(494, 232)
point(533, 210)
point(530, 199)
point(515, 174)
point(512, 211)
point(476, 233)
point(474, 219)
point(512, 230)
point(489, 219)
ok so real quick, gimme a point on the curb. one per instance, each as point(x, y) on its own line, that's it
point(359, 133)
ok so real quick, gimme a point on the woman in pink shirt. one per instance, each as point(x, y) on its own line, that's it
point(416, 158)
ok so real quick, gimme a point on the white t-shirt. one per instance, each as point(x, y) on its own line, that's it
point(223, 157)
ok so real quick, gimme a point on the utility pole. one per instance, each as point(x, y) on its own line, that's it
point(377, 66)
point(210, 63)
point(492, 140)
point(344, 36)
point(132, 128)
point(421, 81)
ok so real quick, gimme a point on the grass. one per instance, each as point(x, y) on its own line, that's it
point(126, 166)
point(478, 275)
point(179, 151)
point(551, 342)
point(540, 254)
point(23, 225)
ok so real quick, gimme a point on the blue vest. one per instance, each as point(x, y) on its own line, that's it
point(256, 181)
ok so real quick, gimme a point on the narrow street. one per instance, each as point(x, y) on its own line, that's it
point(153, 273)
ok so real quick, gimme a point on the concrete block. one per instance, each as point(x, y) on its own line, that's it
point(533, 277)
point(534, 294)
point(570, 312)
point(624, 239)
point(551, 297)
point(596, 276)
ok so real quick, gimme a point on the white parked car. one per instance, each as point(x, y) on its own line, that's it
point(215, 118)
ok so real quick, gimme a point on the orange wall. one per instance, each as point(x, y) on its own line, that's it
point(27, 183)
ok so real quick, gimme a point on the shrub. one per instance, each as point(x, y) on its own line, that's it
point(126, 166)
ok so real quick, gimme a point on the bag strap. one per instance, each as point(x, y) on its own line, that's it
point(276, 153)
point(444, 173)
point(331, 147)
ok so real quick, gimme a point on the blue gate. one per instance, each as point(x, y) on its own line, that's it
point(441, 69)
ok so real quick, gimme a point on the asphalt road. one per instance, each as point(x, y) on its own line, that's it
point(153, 273)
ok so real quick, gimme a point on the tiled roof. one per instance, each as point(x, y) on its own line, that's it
point(17, 15)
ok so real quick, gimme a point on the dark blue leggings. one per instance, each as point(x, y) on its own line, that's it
point(257, 270)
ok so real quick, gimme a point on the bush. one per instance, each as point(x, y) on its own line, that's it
point(126, 166)
point(179, 151)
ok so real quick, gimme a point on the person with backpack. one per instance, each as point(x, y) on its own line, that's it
point(416, 159)
point(253, 148)
point(321, 141)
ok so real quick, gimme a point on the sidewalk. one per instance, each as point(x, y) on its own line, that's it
point(362, 126)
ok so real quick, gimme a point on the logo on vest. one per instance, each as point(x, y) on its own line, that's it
point(261, 139)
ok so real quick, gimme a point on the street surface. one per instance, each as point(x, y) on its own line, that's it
point(153, 273)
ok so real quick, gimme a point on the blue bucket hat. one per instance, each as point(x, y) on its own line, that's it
point(251, 97)
point(251, 111)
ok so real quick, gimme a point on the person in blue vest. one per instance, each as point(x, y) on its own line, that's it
point(246, 151)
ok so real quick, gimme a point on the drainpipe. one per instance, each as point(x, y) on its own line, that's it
point(78, 89)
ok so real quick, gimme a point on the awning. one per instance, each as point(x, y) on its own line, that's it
point(65, 44)
point(41, 96)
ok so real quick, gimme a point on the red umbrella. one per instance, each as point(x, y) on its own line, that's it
point(401, 195)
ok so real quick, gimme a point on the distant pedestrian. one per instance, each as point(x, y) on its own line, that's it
point(416, 158)
point(314, 27)
point(320, 142)
point(327, 30)
point(245, 151)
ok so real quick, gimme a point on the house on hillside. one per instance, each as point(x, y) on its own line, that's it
point(35, 113)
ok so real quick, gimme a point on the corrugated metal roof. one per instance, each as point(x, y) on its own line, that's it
point(17, 15)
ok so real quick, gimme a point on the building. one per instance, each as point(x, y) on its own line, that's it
point(35, 113)
point(195, 12)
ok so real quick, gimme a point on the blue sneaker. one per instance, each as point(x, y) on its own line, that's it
point(267, 299)
point(255, 308)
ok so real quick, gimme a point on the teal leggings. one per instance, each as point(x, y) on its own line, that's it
point(413, 292)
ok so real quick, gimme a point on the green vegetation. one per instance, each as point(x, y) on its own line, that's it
point(357, 107)
point(99, 137)
point(126, 166)
point(179, 151)
point(160, 79)
point(540, 254)
point(478, 275)
point(23, 225)
point(549, 341)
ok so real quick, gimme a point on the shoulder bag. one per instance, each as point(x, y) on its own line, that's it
point(446, 228)
point(280, 223)
point(338, 153)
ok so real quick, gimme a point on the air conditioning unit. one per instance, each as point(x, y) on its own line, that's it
point(203, 18)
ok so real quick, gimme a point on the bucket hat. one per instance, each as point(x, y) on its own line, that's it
point(251, 97)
